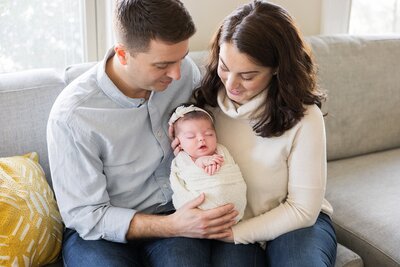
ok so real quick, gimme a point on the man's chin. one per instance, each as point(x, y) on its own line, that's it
point(160, 87)
point(157, 88)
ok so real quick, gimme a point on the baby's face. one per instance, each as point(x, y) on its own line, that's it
point(197, 137)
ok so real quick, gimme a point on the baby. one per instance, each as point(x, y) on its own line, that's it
point(203, 165)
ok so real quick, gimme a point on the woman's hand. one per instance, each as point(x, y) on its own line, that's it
point(229, 238)
point(190, 221)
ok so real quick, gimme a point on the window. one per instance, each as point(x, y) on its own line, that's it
point(335, 16)
point(360, 16)
point(368, 16)
point(52, 33)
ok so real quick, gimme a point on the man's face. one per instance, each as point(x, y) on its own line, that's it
point(156, 68)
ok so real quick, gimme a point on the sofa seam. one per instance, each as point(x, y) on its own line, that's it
point(32, 88)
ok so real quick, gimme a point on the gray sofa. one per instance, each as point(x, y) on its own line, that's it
point(362, 77)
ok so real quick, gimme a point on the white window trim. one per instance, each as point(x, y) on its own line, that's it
point(98, 33)
point(335, 16)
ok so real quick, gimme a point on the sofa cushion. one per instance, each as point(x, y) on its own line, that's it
point(74, 71)
point(30, 224)
point(362, 79)
point(347, 258)
point(364, 193)
point(26, 99)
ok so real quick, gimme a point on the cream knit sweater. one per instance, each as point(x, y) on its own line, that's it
point(285, 176)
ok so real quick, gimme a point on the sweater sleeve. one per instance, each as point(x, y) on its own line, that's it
point(306, 165)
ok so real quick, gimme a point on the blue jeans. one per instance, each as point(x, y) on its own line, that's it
point(313, 246)
point(165, 252)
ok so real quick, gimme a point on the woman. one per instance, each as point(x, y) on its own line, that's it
point(261, 82)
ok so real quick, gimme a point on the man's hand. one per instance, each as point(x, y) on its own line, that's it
point(188, 221)
point(175, 144)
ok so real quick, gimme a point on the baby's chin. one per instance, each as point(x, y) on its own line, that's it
point(205, 153)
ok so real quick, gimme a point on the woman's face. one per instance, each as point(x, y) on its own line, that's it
point(242, 78)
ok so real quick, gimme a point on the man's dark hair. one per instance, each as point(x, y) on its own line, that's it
point(137, 22)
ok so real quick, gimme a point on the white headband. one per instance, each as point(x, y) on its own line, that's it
point(182, 110)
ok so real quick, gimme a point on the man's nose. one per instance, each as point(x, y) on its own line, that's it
point(174, 71)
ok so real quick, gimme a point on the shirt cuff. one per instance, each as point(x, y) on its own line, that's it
point(116, 224)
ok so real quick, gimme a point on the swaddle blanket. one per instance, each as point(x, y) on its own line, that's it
point(227, 185)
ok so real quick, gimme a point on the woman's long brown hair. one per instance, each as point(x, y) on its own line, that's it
point(268, 35)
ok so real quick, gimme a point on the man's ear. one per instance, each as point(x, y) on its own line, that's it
point(121, 53)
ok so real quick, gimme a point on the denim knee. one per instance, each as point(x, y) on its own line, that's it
point(177, 252)
point(311, 246)
point(78, 252)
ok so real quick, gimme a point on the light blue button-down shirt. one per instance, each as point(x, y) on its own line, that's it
point(109, 154)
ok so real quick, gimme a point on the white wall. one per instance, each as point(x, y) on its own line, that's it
point(208, 14)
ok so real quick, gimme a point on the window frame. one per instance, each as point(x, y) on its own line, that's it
point(335, 16)
point(97, 33)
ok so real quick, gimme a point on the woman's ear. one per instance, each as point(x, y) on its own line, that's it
point(121, 53)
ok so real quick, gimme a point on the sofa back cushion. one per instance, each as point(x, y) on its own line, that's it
point(26, 99)
point(74, 71)
point(362, 79)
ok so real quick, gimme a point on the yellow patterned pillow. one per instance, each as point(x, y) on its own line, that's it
point(30, 224)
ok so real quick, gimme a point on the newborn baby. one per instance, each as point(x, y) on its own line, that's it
point(203, 165)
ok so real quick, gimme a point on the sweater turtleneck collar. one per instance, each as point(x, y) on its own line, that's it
point(248, 111)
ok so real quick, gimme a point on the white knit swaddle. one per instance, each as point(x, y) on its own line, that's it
point(227, 185)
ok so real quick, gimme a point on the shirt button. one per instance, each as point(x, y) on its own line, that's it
point(159, 134)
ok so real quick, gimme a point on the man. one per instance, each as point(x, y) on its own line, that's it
point(110, 153)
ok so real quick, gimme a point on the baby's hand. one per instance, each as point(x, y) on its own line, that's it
point(210, 164)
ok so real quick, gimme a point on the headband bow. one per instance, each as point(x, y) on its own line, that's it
point(182, 110)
